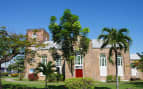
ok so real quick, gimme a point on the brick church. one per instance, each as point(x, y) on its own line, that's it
point(94, 64)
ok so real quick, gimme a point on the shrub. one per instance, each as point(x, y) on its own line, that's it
point(4, 74)
point(134, 79)
point(79, 83)
point(21, 76)
point(14, 75)
point(33, 77)
point(109, 78)
point(52, 77)
point(114, 78)
point(60, 77)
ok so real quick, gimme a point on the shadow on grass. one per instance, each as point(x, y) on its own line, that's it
point(10, 86)
point(101, 88)
point(138, 84)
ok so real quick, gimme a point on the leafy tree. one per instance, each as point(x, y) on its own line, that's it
point(68, 34)
point(18, 66)
point(12, 45)
point(46, 69)
point(119, 40)
point(139, 64)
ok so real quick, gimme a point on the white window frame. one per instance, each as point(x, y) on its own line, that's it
point(44, 57)
point(104, 65)
point(80, 65)
point(58, 62)
point(121, 65)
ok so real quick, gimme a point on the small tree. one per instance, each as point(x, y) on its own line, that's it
point(68, 34)
point(119, 40)
point(18, 66)
point(46, 69)
point(139, 64)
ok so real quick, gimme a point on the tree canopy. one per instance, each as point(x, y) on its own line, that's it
point(70, 35)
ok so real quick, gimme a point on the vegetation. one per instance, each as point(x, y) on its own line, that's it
point(119, 40)
point(4, 74)
point(46, 69)
point(68, 33)
point(111, 78)
point(79, 83)
point(139, 64)
point(14, 75)
point(33, 77)
point(26, 84)
point(18, 66)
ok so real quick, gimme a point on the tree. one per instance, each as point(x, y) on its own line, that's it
point(139, 64)
point(68, 34)
point(12, 45)
point(118, 40)
point(47, 69)
point(18, 66)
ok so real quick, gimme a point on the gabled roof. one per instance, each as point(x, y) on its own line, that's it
point(98, 43)
point(134, 57)
point(51, 44)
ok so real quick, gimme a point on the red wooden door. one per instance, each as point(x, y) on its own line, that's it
point(78, 73)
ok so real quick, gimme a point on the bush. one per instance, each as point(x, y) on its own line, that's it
point(21, 76)
point(114, 78)
point(60, 77)
point(4, 74)
point(111, 78)
point(134, 79)
point(52, 77)
point(14, 75)
point(33, 77)
point(79, 83)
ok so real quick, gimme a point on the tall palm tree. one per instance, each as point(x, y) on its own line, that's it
point(118, 40)
point(47, 69)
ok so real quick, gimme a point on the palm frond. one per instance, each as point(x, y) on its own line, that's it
point(123, 30)
point(106, 30)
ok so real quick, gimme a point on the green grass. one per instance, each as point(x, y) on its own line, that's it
point(60, 85)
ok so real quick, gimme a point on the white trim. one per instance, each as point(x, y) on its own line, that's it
point(103, 69)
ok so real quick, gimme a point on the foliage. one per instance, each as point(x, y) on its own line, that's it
point(21, 76)
point(32, 77)
point(18, 65)
point(118, 40)
point(14, 75)
point(60, 77)
point(68, 34)
point(139, 64)
point(4, 74)
point(52, 77)
point(55, 77)
point(46, 69)
point(111, 78)
point(79, 83)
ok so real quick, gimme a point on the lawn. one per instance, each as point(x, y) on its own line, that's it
point(60, 85)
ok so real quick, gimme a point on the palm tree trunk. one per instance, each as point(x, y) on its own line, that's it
point(117, 80)
point(0, 77)
point(46, 83)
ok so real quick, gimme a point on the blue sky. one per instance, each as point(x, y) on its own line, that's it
point(19, 15)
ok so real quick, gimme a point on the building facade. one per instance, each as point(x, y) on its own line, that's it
point(135, 73)
point(94, 64)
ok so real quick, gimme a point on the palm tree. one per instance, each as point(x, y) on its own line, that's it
point(47, 69)
point(118, 40)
